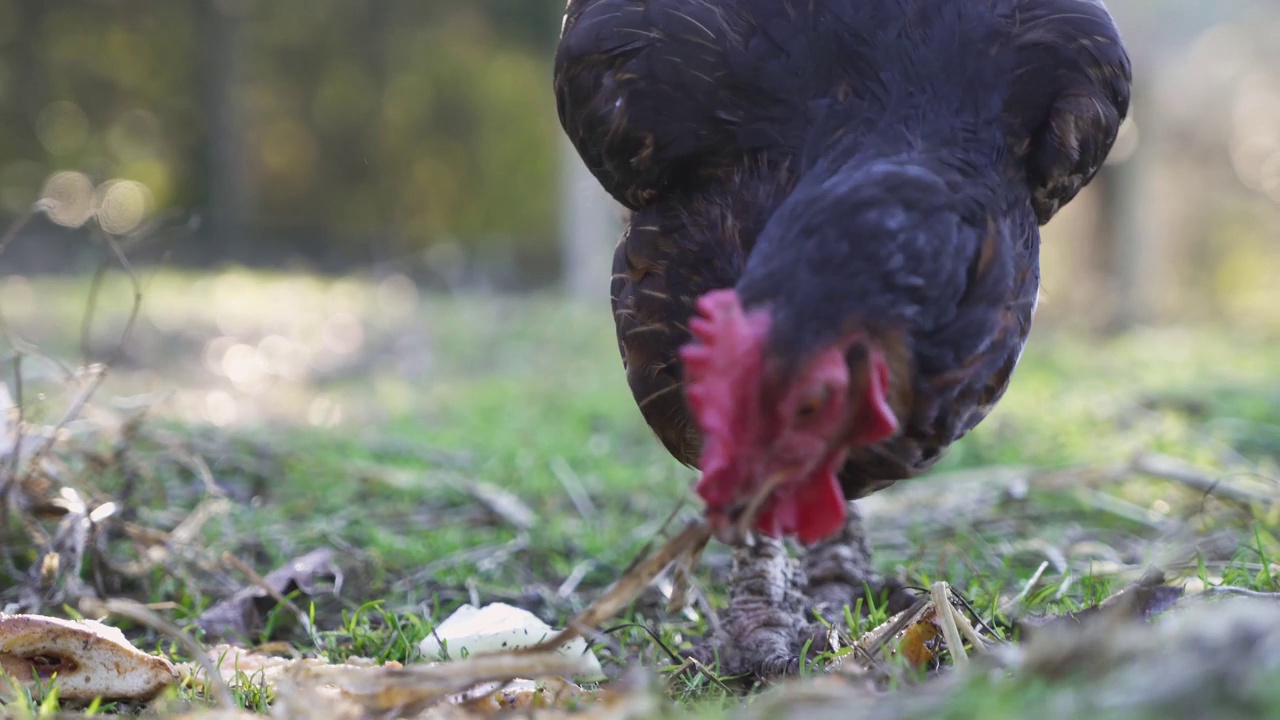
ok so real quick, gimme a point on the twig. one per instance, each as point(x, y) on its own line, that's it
point(966, 629)
point(1168, 468)
point(1027, 587)
point(886, 632)
point(494, 555)
point(385, 689)
point(943, 612)
point(575, 578)
point(20, 223)
point(141, 614)
point(15, 461)
point(506, 505)
point(185, 533)
point(137, 293)
point(625, 590)
point(572, 485)
point(701, 668)
point(91, 305)
point(682, 582)
point(742, 528)
point(1122, 509)
point(97, 372)
point(1243, 592)
point(96, 375)
point(982, 624)
point(1066, 585)
point(261, 582)
point(198, 467)
point(662, 528)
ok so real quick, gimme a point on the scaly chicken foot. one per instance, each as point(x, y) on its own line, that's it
point(766, 622)
point(774, 598)
point(839, 573)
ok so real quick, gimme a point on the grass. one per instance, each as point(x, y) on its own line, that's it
point(359, 416)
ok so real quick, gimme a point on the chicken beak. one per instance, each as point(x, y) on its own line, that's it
point(725, 529)
point(734, 525)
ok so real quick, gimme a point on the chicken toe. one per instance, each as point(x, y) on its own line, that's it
point(839, 572)
point(766, 623)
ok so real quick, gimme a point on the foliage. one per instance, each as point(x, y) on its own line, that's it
point(348, 121)
point(441, 395)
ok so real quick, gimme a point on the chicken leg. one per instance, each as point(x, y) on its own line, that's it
point(839, 572)
point(760, 633)
point(773, 598)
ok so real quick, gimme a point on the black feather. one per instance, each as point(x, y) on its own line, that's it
point(882, 164)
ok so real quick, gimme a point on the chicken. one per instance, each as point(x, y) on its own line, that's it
point(832, 258)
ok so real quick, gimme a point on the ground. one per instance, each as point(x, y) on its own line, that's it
point(367, 417)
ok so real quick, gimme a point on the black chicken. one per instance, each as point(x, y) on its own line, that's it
point(832, 260)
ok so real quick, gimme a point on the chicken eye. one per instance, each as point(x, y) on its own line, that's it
point(813, 402)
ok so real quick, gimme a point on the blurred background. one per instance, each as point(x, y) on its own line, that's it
point(374, 283)
point(375, 151)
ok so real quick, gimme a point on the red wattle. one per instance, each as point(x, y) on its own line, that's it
point(768, 521)
point(819, 508)
point(811, 511)
point(876, 420)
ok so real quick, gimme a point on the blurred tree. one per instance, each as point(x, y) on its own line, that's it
point(422, 135)
point(222, 163)
point(327, 128)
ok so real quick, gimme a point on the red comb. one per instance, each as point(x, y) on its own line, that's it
point(726, 350)
point(720, 365)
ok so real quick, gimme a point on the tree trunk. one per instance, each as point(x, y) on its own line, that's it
point(225, 151)
point(591, 221)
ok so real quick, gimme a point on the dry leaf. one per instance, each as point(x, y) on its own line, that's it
point(240, 615)
point(914, 644)
point(486, 683)
point(90, 659)
point(382, 689)
point(235, 664)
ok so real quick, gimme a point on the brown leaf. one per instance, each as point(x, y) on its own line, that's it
point(89, 658)
point(914, 644)
point(379, 690)
point(240, 615)
point(487, 686)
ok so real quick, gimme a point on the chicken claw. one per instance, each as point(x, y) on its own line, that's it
point(774, 602)
point(839, 572)
point(765, 625)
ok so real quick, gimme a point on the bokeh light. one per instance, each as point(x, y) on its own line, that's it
point(120, 206)
point(62, 128)
point(68, 198)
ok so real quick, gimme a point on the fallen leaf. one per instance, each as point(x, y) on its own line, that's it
point(90, 659)
point(236, 664)
point(382, 689)
point(500, 502)
point(361, 686)
point(241, 615)
point(914, 644)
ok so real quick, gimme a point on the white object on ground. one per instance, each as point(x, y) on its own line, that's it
point(499, 627)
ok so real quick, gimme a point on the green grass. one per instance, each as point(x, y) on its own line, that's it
point(527, 394)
